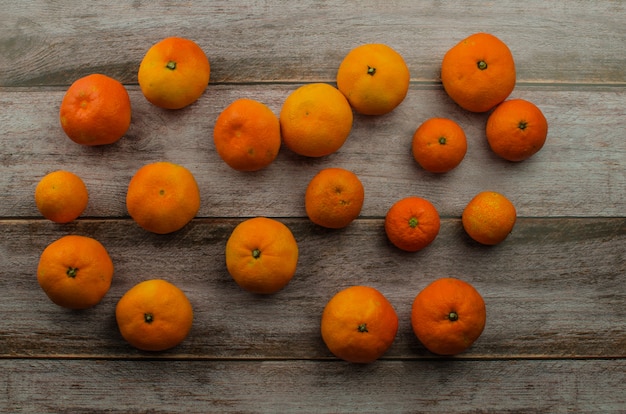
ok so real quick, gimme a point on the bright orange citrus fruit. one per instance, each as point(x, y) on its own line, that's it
point(261, 255)
point(334, 198)
point(95, 110)
point(174, 73)
point(489, 217)
point(247, 135)
point(154, 315)
point(162, 197)
point(61, 196)
point(448, 316)
point(374, 78)
point(359, 324)
point(315, 120)
point(439, 145)
point(516, 129)
point(75, 271)
point(412, 223)
point(479, 72)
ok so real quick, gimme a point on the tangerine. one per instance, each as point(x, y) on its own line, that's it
point(412, 223)
point(448, 316)
point(479, 72)
point(359, 324)
point(439, 145)
point(247, 135)
point(154, 315)
point(374, 78)
point(75, 271)
point(261, 255)
point(61, 196)
point(162, 197)
point(95, 110)
point(315, 120)
point(334, 198)
point(489, 217)
point(516, 129)
point(174, 73)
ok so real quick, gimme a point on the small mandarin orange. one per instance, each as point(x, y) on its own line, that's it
point(154, 315)
point(448, 316)
point(479, 72)
point(516, 130)
point(247, 135)
point(261, 255)
point(359, 324)
point(61, 196)
point(315, 120)
point(374, 77)
point(174, 73)
point(95, 110)
point(489, 217)
point(75, 271)
point(162, 197)
point(412, 223)
point(439, 145)
point(334, 198)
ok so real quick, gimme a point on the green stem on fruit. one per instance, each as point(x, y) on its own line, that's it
point(371, 71)
point(413, 222)
point(148, 317)
point(171, 65)
point(453, 316)
point(522, 125)
point(256, 253)
point(362, 328)
point(482, 65)
point(72, 272)
point(442, 140)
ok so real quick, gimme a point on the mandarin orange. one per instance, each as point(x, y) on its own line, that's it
point(479, 72)
point(359, 324)
point(95, 110)
point(448, 316)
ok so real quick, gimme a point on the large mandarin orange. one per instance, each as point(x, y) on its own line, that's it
point(374, 78)
point(61, 196)
point(95, 110)
point(261, 255)
point(489, 217)
point(162, 197)
point(315, 120)
point(412, 223)
point(516, 129)
point(247, 135)
point(448, 316)
point(174, 73)
point(334, 198)
point(75, 271)
point(154, 315)
point(479, 72)
point(359, 324)
point(439, 145)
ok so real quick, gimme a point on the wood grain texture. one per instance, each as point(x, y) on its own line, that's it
point(553, 289)
point(555, 339)
point(54, 43)
point(583, 160)
point(446, 386)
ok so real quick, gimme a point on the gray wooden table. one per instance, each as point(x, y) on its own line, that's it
point(555, 339)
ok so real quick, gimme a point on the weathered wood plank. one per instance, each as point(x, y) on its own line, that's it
point(554, 288)
point(449, 386)
point(579, 172)
point(45, 43)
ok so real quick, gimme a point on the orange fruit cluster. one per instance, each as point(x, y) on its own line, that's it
point(359, 323)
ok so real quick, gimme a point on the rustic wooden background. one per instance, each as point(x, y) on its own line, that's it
point(555, 339)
